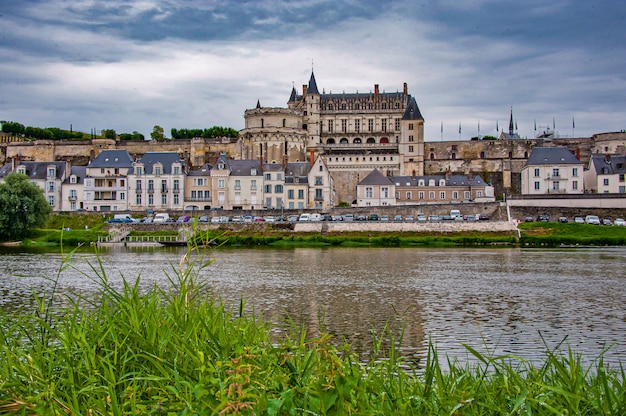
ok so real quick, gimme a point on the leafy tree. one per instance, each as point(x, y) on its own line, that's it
point(138, 136)
point(12, 127)
point(489, 138)
point(157, 133)
point(110, 134)
point(22, 206)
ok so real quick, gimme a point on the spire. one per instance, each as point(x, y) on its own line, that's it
point(511, 130)
point(258, 103)
point(294, 94)
point(312, 88)
point(412, 111)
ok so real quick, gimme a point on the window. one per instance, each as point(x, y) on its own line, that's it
point(139, 170)
point(237, 184)
point(72, 179)
point(420, 182)
point(384, 192)
point(150, 185)
point(537, 172)
point(555, 186)
point(410, 126)
point(479, 194)
point(50, 186)
point(409, 195)
point(318, 194)
point(421, 195)
point(555, 172)
point(150, 199)
point(622, 189)
point(157, 171)
point(73, 193)
point(411, 138)
point(344, 125)
point(397, 124)
point(431, 195)
point(176, 170)
point(220, 183)
point(411, 149)
point(330, 126)
point(221, 197)
point(176, 184)
point(268, 176)
point(138, 199)
point(606, 181)
point(357, 125)
point(163, 186)
point(268, 189)
point(442, 195)
point(621, 177)
point(279, 176)
point(466, 194)
point(574, 185)
point(537, 185)
point(51, 200)
point(51, 172)
point(369, 192)
point(176, 199)
point(290, 194)
point(482, 155)
point(300, 193)
point(455, 195)
point(163, 199)
point(138, 186)
point(384, 124)
point(370, 124)
point(253, 185)
point(574, 171)
point(319, 180)
point(122, 196)
point(278, 189)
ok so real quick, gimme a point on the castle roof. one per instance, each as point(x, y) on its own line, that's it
point(312, 88)
point(412, 111)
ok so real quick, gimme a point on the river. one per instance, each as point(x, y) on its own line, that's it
point(499, 301)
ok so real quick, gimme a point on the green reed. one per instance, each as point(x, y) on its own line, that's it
point(180, 351)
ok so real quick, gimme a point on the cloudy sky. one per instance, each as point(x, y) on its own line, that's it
point(133, 64)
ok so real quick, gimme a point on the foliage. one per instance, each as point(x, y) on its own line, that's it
point(215, 131)
point(175, 350)
point(343, 204)
point(157, 133)
point(110, 134)
point(554, 234)
point(489, 138)
point(48, 133)
point(22, 206)
point(135, 135)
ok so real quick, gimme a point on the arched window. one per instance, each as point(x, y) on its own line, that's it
point(371, 140)
point(384, 140)
point(482, 155)
point(432, 156)
point(262, 123)
point(453, 156)
point(357, 140)
point(420, 182)
point(330, 141)
point(442, 182)
point(343, 141)
point(431, 182)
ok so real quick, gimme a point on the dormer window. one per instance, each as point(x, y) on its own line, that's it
point(253, 172)
point(21, 170)
point(157, 171)
point(51, 172)
point(220, 166)
point(442, 182)
point(420, 182)
point(72, 179)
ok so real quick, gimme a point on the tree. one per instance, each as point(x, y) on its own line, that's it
point(22, 207)
point(110, 134)
point(157, 133)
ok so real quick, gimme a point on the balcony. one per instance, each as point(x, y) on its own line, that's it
point(72, 198)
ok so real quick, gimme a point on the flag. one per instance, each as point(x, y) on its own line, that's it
point(478, 126)
point(442, 127)
point(535, 124)
point(459, 127)
point(573, 124)
point(553, 124)
point(515, 125)
point(497, 128)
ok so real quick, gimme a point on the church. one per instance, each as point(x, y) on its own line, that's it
point(353, 132)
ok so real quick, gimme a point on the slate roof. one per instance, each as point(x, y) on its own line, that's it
point(559, 155)
point(412, 111)
point(204, 170)
point(112, 159)
point(166, 159)
point(80, 172)
point(312, 88)
point(376, 177)
point(298, 170)
point(453, 180)
point(244, 167)
point(608, 164)
point(35, 170)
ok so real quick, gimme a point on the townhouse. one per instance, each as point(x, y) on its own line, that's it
point(106, 181)
point(606, 174)
point(157, 182)
point(552, 170)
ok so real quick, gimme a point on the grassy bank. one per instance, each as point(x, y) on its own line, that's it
point(553, 234)
point(176, 351)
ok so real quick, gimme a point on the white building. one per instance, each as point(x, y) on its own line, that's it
point(552, 170)
point(106, 181)
point(606, 174)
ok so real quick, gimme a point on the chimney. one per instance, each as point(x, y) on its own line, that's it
point(261, 163)
point(447, 174)
point(607, 158)
point(376, 90)
point(312, 157)
point(304, 88)
point(578, 153)
point(16, 162)
point(68, 168)
point(406, 89)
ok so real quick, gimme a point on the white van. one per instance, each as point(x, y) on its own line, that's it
point(304, 217)
point(163, 217)
point(123, 218)
point(455, 214)
point(315, 217)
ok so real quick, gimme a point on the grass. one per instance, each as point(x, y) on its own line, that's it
point(555, 234)
point(179, 351)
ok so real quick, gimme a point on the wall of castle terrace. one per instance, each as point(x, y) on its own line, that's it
point(438, 227)
point(271, 117)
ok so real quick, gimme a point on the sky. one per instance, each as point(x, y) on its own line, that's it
point(129, 65)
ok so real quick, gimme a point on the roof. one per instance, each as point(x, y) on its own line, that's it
point(312, 88)
point(608, 164)
point(79, 171)
point(453, 180)
point(558, 155)
point(35, 170)
point(166, 159)
point(376, 177)
point(112, 159)
point(244, 167)
point(204, 170)
point(412, 111)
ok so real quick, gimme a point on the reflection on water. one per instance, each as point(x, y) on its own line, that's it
point(505, 300)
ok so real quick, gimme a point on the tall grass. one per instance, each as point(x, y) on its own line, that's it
point(179, 350)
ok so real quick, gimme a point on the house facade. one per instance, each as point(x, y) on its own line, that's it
point(376, 190)
point(106, 181)
point(606, 174)
point(156, 182)
point(441, 189)
point(552, 170)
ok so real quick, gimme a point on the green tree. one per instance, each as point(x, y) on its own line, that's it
point(22, 207)
point(157, 133)
point(110, 134)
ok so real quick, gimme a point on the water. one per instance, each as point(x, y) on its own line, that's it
point(501, 301)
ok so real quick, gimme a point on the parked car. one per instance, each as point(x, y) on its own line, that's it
point(250, 218)
point(483, 217)
point(336, 218)
point(543, 218)
point(237, 218)
point(528, 219)
point(215, 220)
point(592, 219)
point(203, 218)
point(397, 218)
point(269, 218)
point(579, 220)
point(292, 218)
point(374, 217)
point(384, 218)
point(470, 217)
point(606, 221)
point(421, 218)
point(433, 218)
point(360, 218)
point(348, 217)
point(619, 222)
point(563, 219)
point(122, 218)
point(409, 218)
point(183, 219)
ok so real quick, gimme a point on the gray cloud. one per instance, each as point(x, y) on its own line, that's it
point(129, 65)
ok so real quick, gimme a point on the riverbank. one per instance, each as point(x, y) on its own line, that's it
point(89, 229)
